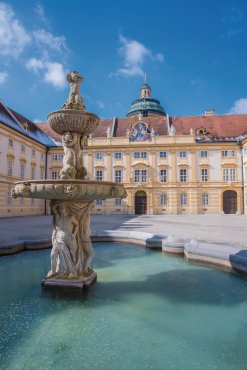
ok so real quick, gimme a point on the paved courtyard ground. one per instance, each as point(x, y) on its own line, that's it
point(230, 229)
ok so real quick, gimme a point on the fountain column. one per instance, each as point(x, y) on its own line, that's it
point(71, 196)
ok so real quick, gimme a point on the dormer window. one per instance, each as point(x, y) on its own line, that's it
point(201, 131)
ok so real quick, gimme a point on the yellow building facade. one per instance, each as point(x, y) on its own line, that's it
point(169, 165)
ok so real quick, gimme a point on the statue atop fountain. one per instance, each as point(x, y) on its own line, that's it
point(71, 196)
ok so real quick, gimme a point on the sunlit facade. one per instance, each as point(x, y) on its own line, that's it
point(169, 165)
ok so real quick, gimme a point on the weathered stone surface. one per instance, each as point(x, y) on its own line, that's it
point(173, 244)
point(68, 189)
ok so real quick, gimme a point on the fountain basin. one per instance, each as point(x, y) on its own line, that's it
point(68, 190)
point(73, 120)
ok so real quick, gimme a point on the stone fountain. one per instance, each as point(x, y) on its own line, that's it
point(71, 197)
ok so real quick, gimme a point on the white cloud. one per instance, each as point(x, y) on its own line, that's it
point(35, 64)
point(38, 120)
point(55, 74)
point(44, 38)
point(3, 76)
point(100, 104)
point(40, 11)
point(239, 107)
point(134, 55)
point(13, 36)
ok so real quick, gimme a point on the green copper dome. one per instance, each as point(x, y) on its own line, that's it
point(146, 104)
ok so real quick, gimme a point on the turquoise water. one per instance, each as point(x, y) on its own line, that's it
point(147, 311)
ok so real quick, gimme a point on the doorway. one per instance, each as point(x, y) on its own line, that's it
point(230, 202)
point(140, 203)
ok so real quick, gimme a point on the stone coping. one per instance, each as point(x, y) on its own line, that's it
point(224, 256)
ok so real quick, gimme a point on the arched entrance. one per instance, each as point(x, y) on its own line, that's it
point(230, 202)
point(140, 203)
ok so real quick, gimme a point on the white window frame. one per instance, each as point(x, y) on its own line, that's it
point(55, 175)
point(163, 199)
point(204, 199)
point(118, 155)
point(99, 175)
point(163, 154)
point(163, 175)
point(33, 173)
point(232, 174)
point(228, 153)
point(10, 167)
point(183, 175)
point(183, 154)
point(183, 199)
point(204, 174)
point(11, 142)
point(99, 156)
point(204, 154)
point(22, 171)
point(33, 152)
point(140, 155)
point(118, 176)
point(118, 202)
point(98, 202)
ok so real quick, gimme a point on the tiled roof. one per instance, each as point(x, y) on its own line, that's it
point(45, 127)
point(225, 126)
point(23, 125)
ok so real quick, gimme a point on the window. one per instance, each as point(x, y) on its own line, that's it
point(54, 175)
point(228, 153)
point(204, 174)
point(163, 175)
point(11, 142)
point(245, 173)
point(140, 155)
point(22, 174)
point(163, 154)
point(232, 174)
point(99, 175)
point(118, 175)
point(57, 157)
point(140, 176)
point(99, 156)
point(183, 154)
point(32, 173)
point(183, 199)
point(203, 153)
point(163, 199)
point(9, 198)
point(10, 168)
point(33, 152)
point(118, 201)
point(99, 202)
point(229, 174)
point(118, 155)
point(23, 148)
point(205, 199)
point(183, 175)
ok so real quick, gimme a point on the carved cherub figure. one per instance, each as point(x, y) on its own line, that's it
point(74, 100)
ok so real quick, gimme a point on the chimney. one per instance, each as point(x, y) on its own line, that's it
point(209, 112)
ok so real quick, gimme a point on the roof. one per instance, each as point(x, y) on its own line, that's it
point(23, 125)
point(216, 126)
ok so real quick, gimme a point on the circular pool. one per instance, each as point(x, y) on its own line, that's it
point(147, 311)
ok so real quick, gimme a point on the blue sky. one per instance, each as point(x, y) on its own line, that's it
point(193, 52)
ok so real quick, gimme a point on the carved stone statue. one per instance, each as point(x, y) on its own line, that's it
point(72, 160)
point(74, 100)
point(72, 251)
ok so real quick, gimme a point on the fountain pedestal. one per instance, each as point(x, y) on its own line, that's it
point(71, 196)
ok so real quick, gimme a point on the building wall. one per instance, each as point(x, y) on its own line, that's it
point(47, 163)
